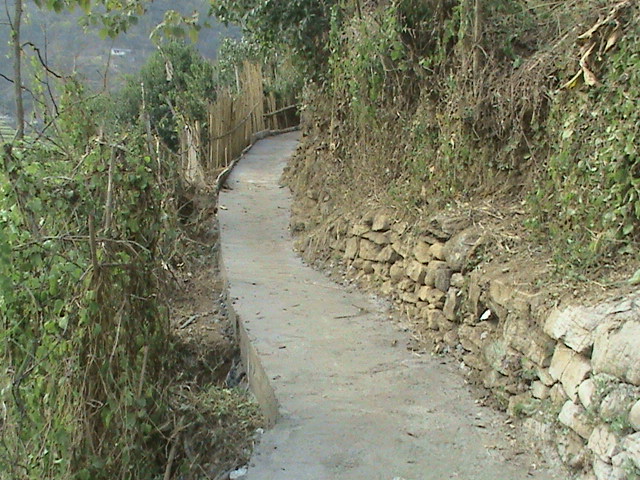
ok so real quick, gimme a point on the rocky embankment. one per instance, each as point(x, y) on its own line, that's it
point(571, 372)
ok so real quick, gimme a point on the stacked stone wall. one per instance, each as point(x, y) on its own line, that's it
point(571, 372)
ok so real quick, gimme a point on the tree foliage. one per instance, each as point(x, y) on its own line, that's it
point(89, 225)
point(82, 333)
point(176, 81)
point(302, 26)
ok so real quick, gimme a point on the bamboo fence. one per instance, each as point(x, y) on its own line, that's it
point(234, 118)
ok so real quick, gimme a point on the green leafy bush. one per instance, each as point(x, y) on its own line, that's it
point(588, 199)
point(176, 81)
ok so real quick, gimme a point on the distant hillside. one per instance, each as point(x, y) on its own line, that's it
point(69, 48)
point(6, 131)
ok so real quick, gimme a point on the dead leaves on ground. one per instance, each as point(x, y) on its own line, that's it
point(601, 38)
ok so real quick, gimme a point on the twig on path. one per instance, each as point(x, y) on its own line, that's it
point(361, 311)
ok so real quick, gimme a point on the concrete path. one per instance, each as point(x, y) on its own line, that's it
point(352, 403)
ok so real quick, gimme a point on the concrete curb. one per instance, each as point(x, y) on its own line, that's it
point(259, 382)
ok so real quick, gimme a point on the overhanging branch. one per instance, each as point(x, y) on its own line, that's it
point(42, 61)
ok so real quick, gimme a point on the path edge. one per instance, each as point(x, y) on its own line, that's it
point(259, 383)
point(257, 378)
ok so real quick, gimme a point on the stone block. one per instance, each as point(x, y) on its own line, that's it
point(457, 280)
point(435, 318)
point(399, 227)
point(452, 303)
point(339, 245)
point(528, 339)
point(501, 357)
point(412, 311)
point(437, 321)
point(458, 250)
point(504, 293)
point(557, 394)
point(493, 379)
point(406, 285)
point(422, 253)
point(618, 401)
point(443, 225)
point(616, 351)
point(474, 305)
point(561, 358)
point(433, 296)
point(381, 269)
point(575, 417)
point(432, 269)
point(603, 442)
point(397, 272)
point(472, 337)
point(416, 271)
point(367, 267)
point(352, 248)
point(379, 238)
point(572, 450)
point(575, 326)
point(359, 229)
point(539, 390)
point(451, 338)
point(474, 361)
point(604, 471)
point(369, 250)
point(409, 297)
point(539, 431)
point(631, 445)
point(387, 288)
point(543, 375)
point(437, 251)
point(401, 249)
point(587, 392)
point(634, 416)
point(387, 255)
point(569, 368)
point(442, 279)
point(381, 222)
point(423, 305)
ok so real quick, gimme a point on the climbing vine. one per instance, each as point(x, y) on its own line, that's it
point(82, 330)
point(90, 227)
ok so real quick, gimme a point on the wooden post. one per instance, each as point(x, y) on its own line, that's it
point(17, 68)
point(477, 45)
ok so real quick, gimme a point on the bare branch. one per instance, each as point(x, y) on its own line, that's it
point(42, 60)
point(2, 75)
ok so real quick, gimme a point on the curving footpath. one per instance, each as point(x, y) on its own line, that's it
point(322, 360)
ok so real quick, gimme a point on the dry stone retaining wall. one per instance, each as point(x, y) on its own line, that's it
point(573, 372)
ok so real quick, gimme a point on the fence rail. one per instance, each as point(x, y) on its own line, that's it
point(233, 119)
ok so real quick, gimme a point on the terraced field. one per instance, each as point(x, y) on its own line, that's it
point(6, 131)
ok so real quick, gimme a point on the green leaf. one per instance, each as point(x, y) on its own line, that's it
point(193, 34)
point(635, 279)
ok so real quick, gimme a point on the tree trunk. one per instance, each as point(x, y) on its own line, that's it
point(17, 68)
